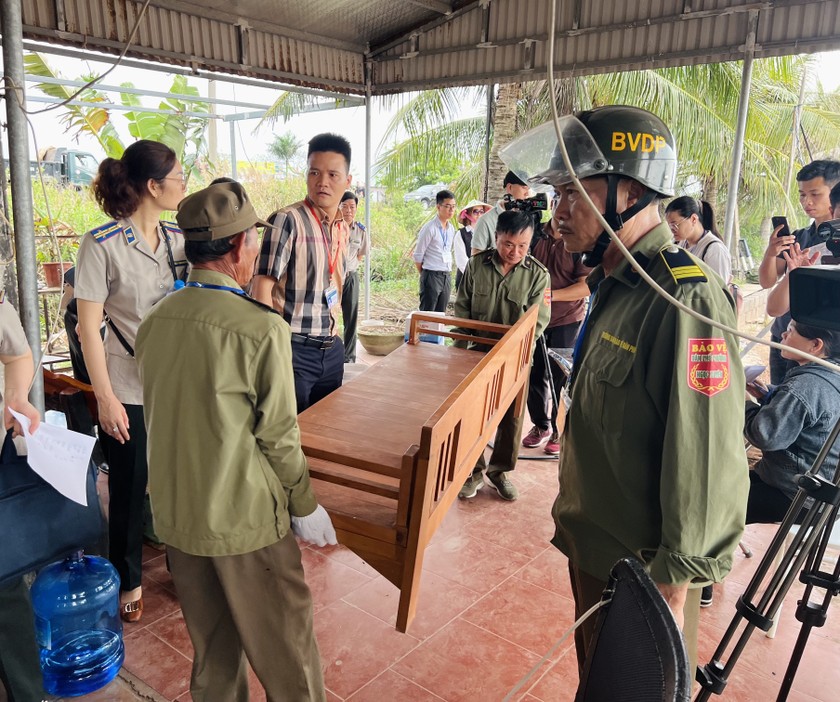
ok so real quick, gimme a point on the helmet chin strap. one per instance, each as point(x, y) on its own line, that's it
point(615, 219)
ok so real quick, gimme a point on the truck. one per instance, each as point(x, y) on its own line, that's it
point(68, 166)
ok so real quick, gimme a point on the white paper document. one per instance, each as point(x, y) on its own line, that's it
point(752, 372)
point(59, 456)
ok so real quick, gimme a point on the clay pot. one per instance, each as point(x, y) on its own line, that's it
point(382, 343)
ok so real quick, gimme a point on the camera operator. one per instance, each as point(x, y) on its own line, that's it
point(652, 461)
point(484, 236)
point(568, 307)
point(825, 240)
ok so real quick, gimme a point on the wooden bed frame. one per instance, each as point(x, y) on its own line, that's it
point(389, 451)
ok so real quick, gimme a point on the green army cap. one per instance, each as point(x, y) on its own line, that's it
point(216, 212)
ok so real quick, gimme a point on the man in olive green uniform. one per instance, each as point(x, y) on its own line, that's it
point(500, 285)
point(652, 463)
point(226, 472)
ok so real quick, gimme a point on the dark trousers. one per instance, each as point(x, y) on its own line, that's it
point(350, 314)
point(778, 366)
point(20, 671)
point(127, 478)
point(587, 591)
point(541, 407)
point(435, 287)
point(767, 504)
point(317, 372)
point(255, 605)
point(505, 445)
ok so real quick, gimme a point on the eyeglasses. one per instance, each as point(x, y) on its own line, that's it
point(182, 177)
point(477, 211)
point(674, 226)
point(447, 207)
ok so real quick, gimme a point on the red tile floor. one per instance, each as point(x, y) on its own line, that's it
point(494, 598)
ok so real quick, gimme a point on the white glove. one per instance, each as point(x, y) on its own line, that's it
point(315, 528)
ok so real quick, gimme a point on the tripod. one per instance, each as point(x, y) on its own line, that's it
point(805, 553)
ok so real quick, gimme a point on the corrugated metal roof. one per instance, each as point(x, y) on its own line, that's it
point(414, 44)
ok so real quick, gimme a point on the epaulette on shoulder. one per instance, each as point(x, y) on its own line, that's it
point(106, 231)
point(262, 305)
point(535, 262)
point(360, 226)
point(682, 267)
point(171, 227)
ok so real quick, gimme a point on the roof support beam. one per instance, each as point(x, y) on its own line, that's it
point(443, 8)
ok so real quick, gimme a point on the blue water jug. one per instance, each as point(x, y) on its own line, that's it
point(77, 624)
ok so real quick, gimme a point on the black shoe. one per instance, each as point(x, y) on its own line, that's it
point(707, 595)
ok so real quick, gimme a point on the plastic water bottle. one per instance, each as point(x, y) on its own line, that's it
point(77, 624)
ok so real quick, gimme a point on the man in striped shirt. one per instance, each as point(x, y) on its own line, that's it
point(301, 266)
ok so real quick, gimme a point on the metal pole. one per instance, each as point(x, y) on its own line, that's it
point(212, 134)
point(797, 119)
point(233, 150)
point(740, 131)
point(10, 17)
point(488, 126)
point(368, 185)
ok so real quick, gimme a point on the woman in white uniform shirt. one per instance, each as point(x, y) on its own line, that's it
point(693, 223)
point(124, 267)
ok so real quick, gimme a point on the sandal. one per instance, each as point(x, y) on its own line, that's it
point(132, 611)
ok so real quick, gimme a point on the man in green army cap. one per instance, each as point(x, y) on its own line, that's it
point(500, 285)
point(229, 482)
point(652, 463)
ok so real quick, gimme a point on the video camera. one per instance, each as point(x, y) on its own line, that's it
point(829, 232)
point(815, 296)
point(529, 205)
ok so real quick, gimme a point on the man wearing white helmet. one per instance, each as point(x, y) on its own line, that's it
point(652, 462)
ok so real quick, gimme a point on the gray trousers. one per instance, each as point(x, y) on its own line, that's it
point(350, 314)
point(256, 605)
point(435, 287)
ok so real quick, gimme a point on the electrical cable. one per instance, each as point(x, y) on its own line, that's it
point(617, 241)
point(98, 78)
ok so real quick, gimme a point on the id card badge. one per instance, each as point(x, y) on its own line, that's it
point(332, 296)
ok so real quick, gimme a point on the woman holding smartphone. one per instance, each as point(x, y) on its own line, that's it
point(124, 267)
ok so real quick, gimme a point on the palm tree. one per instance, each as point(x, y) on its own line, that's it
point(284, 148)
point(699, 102)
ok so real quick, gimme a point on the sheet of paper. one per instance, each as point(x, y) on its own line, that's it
point(752, 372)
point(59, 456)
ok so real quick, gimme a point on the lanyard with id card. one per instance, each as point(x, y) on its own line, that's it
point(331, 293)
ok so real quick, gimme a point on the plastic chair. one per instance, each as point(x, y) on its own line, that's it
point(637, 652)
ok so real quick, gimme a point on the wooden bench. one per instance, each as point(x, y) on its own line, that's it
point(73, 397)
point(389, 451)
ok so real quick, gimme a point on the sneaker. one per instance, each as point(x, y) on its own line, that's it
point(473, 484)
point(536, 437)
point(506, 489)
point(552, 448)
point(706, 596)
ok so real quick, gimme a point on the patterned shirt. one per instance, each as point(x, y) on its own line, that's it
point(304, 253)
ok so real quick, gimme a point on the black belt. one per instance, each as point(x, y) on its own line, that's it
point(319, 342)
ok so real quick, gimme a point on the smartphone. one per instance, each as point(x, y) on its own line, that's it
point(781, 221)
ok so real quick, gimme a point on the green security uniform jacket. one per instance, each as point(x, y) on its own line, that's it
point(653, 462)
point(225, 463)
point(489, 296)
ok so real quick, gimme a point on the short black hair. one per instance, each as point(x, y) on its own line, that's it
point(222, 179)
point(830, 337)
point(349, 195)
point(514, 222)
point(834, 196)
point(330, 142)
point(206, 251)
point(444, 195)
point(829, 171)
point(512, 179)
